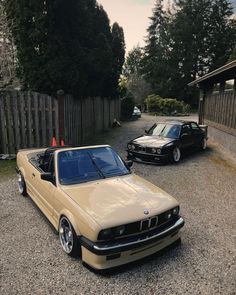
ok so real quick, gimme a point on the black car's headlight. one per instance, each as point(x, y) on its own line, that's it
point(156, 151)
point(110, 233)
point(131, 146)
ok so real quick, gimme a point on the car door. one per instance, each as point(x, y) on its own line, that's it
point(186, 137)
point(45, 190)
point(197, 133)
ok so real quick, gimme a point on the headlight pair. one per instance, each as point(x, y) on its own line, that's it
point(131, 147)
point(110, 233)
point(156, 151)
point(172, 213)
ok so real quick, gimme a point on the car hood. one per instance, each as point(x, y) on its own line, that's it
point(121, 200)
point(152, 141)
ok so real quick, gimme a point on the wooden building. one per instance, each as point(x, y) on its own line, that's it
point(217, 104)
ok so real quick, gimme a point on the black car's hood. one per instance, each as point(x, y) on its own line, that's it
point(152, 141)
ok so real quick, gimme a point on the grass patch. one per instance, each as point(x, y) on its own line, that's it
point(7, 168)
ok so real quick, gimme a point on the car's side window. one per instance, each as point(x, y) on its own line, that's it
point(186, 129)
point(195, 127)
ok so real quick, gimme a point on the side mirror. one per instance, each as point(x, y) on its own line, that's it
point(47, 176)
point(129, 163)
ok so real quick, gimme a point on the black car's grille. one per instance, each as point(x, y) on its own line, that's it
point(139, 148)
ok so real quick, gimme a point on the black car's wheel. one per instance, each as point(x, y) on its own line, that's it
point(203, 144)
point(22, 185)
point(176, 155)
point(68, 238)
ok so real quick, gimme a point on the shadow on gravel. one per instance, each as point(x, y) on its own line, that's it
point(186, 157)
point(143, 262)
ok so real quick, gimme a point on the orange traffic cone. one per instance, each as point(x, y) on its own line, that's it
point(54, 142)
point(62, 142)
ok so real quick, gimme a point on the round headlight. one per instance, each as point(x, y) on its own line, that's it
point(154, 150)
point(129, 146)
point(120, 230)
point(175, 211)
point(133, 147)
point(105, 234)
point(159, 151)
point(168, 215)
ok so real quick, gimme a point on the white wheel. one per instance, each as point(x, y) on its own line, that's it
point(204, 144)
point(176, 155)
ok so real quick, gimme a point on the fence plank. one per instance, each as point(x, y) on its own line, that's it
point(43, 121)
point(16, 120)
point(36, 118)
point(11, 141)
point(4, 148)
point(29, 120)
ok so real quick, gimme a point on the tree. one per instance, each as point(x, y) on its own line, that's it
point(134, 62)
point(157, 49)
point(7, 52)
point(223, 32)
point(118, 56)
point(233, 55)
point(196, 39)
point(63, 45)
point(136, 83)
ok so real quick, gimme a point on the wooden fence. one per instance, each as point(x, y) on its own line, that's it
point(29, 119)
point(88, 117)
point(220, 109)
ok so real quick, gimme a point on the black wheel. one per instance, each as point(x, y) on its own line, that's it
point(68, 238)
point(176, 155)
point(203, 144)
point(22, 185)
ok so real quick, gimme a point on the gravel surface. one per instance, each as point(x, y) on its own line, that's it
point(32, 262)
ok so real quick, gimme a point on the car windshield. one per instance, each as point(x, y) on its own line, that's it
point(165, 130)
point(78, 166)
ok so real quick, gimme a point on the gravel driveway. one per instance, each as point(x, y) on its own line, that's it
point(32, 262)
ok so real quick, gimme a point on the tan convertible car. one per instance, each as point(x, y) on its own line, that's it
point(100, 209)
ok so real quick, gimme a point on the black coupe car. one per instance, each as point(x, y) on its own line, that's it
point(167, 141)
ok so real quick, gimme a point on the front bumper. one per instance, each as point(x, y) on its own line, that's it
point(129, 249)
point(147, 158)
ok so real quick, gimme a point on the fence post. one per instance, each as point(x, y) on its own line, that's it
point(61, 114)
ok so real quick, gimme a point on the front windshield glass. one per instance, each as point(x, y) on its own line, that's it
point(165, 130)
point(78, 166)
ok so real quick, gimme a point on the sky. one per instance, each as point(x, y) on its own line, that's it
point(133, 16)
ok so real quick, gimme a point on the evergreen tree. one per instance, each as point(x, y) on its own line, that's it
point(197, 38)
point(118, 56)
point(63, 45)
point(223, 33)
point(157, 48)
point(233, 55)
point(134, 62)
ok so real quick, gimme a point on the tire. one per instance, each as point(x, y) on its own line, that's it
point(176, 155)
point(203, 144)
point(68, 238)
point(22, 185)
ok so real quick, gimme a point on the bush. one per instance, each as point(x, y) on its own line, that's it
point(127, 106)
point(166, 106)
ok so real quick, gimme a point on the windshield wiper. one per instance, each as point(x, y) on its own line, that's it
point(96, 166)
